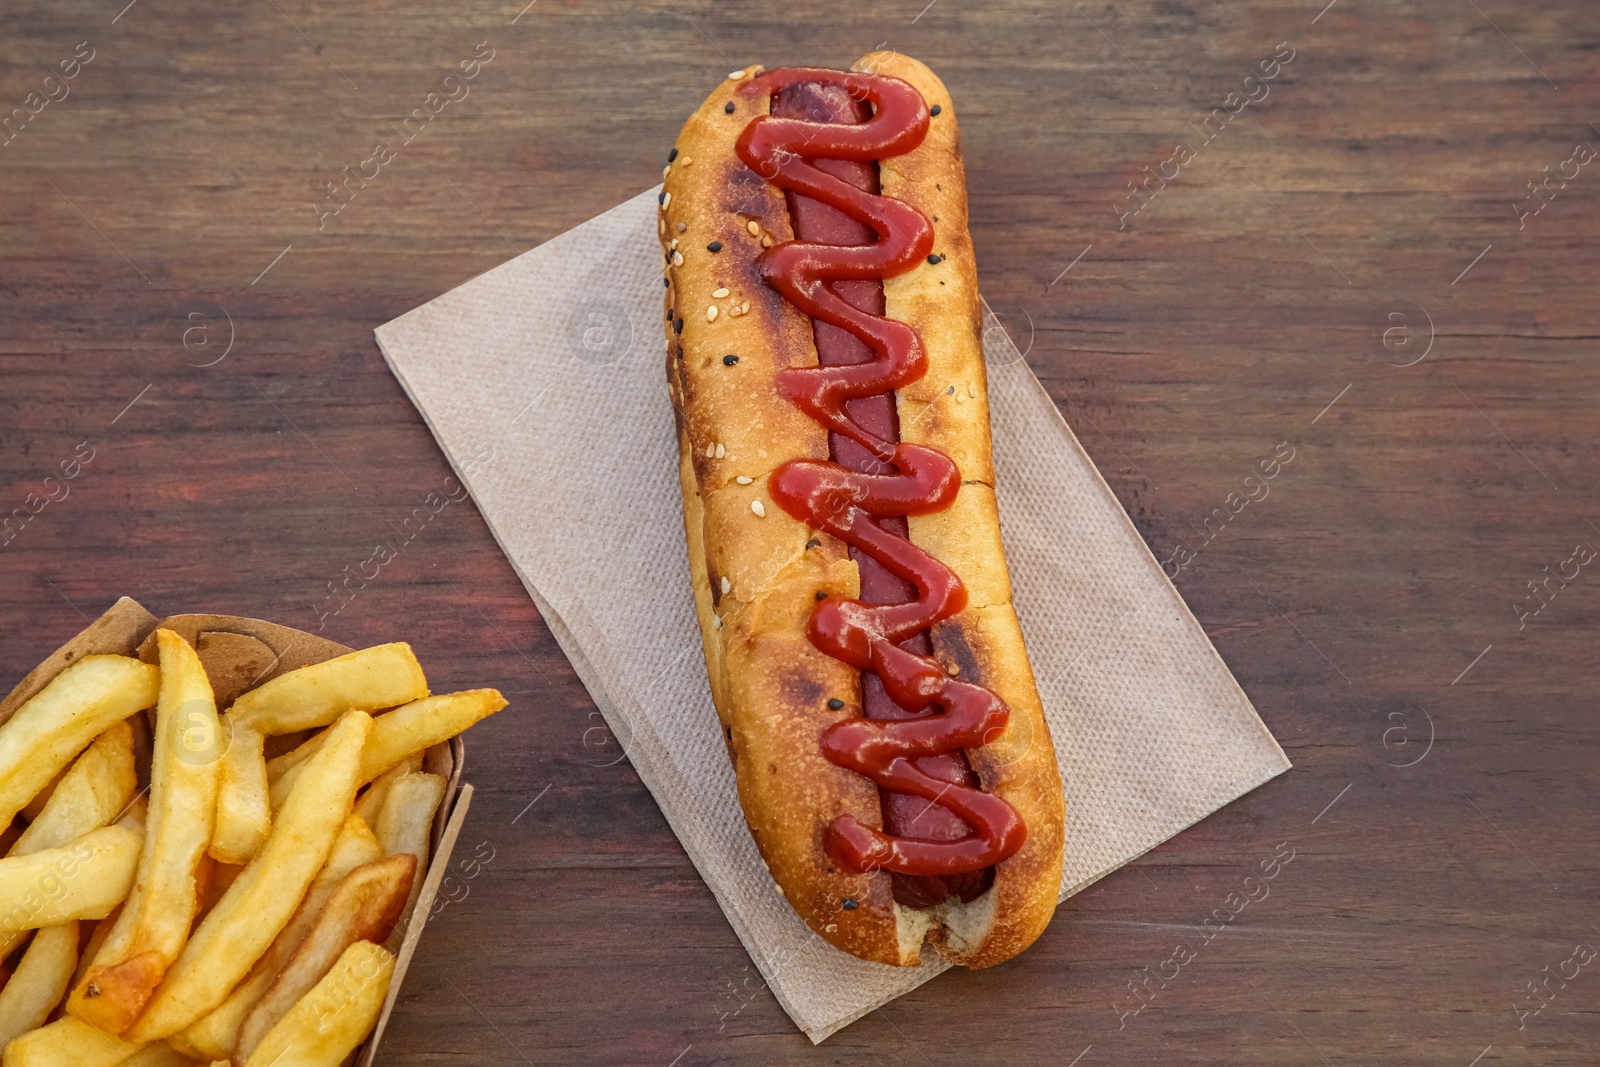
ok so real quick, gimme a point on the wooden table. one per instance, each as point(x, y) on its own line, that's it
point(1338, 264)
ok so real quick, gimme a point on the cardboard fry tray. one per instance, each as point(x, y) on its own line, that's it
point(238, 654)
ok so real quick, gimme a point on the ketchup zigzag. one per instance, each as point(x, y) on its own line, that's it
point(952, 715)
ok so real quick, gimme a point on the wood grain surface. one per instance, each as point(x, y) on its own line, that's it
point(1350, 263)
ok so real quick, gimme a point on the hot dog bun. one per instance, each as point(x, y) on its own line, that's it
point(758, 573)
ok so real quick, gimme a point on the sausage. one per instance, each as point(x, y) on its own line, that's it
point(868, 671)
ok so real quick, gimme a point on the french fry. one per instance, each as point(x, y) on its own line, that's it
point(370, 804)
point(397, 734)
point(68, 1041)
point(244, 816)
point(260, 903)
point(405, 826)
point(363, 908)
point(97, 937)
point(94, 791)
point(35, 988)
point(337, 1014)
point(379, 677)
point(159, 1054)
point(32, 808)
point(214, 1035)
point(422, 724)
point(60, 721)
point(83, 880)
point(183, 794)
point(304, 699)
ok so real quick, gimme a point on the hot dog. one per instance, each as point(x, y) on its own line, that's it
point(824, 358)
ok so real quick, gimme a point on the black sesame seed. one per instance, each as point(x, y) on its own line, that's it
point(934, 110)
point(729, 108)
point(813, 543)
point(680, 351)
point(729, 360)
point(667, 282)
point(661, 197)
point(822, 594)
point(714, 246)
point(835, 703)
point(677, 325)
point(935, 259)
point(848, 904)
point(729, 731)
point(672, 155)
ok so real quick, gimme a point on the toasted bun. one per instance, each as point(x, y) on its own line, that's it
point(755, 579)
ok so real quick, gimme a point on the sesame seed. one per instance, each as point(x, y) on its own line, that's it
point(935, 109)
point(661, 226)
point(666, 170)
point(950, 390)
point(711, 450)
point(766, 241)
point(672, 155)
point(848, 904)
point(673, 243)
point(677, 259)
point(667, 282)
point(729, 108)
point(822, 594)
point(711, 313)
point(721, 450)
point(666, 200)
point(759, 508)
point(680, 351)
point(727, 586)
point(813, 543)
point(744, 308)
point(744, 479)
point(677, 325)
point(935, 259)
point(953, 669)
point(754, 227)
point(716, 622)
point(736, 75)
point(714, 246)
point(735, 312)
point(972, 389)
point(686, 161)
point(719, 292)
point(682, 226)
point(661, 197)
point(729, 360)
point(835, 703)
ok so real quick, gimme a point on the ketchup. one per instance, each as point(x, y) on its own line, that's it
point(942, 834)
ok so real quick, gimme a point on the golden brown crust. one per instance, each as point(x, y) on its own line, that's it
point(756, 571)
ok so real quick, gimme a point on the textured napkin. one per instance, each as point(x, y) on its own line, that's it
point(543, 381)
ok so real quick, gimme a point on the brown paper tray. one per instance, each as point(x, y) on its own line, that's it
point(239, 653)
